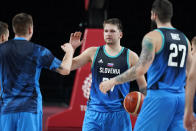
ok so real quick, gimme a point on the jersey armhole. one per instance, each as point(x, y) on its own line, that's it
point(128, 61)
point(95, 57)
point(163, 41)
point(186, 40)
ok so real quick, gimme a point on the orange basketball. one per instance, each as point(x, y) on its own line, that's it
point(133, 102)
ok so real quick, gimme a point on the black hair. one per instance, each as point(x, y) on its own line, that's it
point(164, 10)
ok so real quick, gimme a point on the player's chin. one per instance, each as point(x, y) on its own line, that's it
point(109, 43)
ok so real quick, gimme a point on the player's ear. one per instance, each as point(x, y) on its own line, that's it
point(153, 15)
point(156, 16)
point(2, 37)
point(30, 30)
point(121, 34)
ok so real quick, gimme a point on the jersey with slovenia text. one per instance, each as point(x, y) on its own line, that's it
point(103, 68)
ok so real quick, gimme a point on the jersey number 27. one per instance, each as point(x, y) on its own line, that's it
point(176, 49)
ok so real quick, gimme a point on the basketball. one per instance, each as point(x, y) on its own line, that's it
point(133, 102)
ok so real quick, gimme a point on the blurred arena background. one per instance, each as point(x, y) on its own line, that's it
point(54, 20)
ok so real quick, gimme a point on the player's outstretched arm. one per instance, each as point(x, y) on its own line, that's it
point(85, 57)
point(189, 119)
point(144, 62)
point(66, 63)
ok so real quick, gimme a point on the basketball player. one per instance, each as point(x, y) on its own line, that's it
point(4, 34)
point(190, 106)
point(105, 112)
point(21, 62)
point(165, 56)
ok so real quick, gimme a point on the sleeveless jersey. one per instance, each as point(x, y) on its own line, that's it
point(168, 70)
point(103, 68)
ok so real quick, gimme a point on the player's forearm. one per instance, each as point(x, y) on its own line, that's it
point(142, 84)
point(190, 94)
point(189, 99)
point(143, 90)
point(65, 66)
point(190, 87)
point(129, 75)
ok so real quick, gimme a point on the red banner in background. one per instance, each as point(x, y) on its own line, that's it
point(86, 3)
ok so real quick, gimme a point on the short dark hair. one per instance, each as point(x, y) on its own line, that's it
point(164, 10)
point(114, 21)
point(21, 23)
point(3, 28)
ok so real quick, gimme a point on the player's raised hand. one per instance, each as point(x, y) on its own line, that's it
point(75, 39)
point(67, 47)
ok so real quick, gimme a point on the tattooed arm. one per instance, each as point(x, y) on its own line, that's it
point(144, 62)
point(141, 81)
point(142, 65)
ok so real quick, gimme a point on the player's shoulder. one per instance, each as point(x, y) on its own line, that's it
point(132, 53)
point(38, 47)
point(133, 57)
point(154, 36)
point(92, 49)
point(5, 43)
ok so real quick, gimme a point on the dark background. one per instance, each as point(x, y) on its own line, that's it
point(54, 20)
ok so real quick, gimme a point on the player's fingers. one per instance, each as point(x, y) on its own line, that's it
point(71, 35)
point(190, 128)
point(104, 90)
point(101, 88)
point(77, 34)
point(194, 125)
point(62, 47)
point(66, 45)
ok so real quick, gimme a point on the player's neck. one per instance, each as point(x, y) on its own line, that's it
point(23, 36)
point(161, 25)
point(113, 49)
